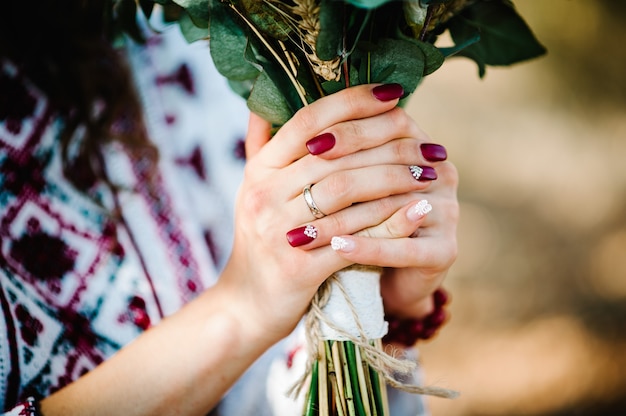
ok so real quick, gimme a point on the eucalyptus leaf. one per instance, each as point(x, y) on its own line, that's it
point(267, 18)
point(198, 10)
point(433, 57)
point(504, 36)
point(407, 58)
point(241, 88)
point(331, 87)
point(367, 4)
point(385, 73)
point(268, 101)
point(329, 40)
point(190, 30)
point(468, 40)
point(229, 45)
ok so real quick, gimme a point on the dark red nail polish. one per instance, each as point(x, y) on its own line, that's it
point(301, 235)
point(388, 92)
point(433, 152)
point(423, 173)
point(320, 144)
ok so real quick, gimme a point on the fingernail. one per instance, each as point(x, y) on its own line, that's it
point(388, 92)
point(418, 210)
point(301, 235)
point(433, 152)
point(320, 144)
point(423, 173)
point(342, 244)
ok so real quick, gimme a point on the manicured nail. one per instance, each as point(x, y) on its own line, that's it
point(388, 92)
point(423, 173)
point(320, 144)
point(301, 235)
point(342, 244)
point(433, 152)
point(418, 210)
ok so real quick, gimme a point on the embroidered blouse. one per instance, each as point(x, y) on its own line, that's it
point(77, 285)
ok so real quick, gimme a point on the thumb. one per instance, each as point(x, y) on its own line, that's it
point(258, 135)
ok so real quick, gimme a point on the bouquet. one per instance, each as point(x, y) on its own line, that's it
point(281, 55)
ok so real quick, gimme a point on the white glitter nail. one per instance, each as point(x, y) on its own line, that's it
point(310, 231)
point(422, 208)
point(338, 243)
point(416, 171)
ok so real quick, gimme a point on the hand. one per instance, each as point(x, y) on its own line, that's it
point(421, 250)
point(407, 292)
point(359, 183)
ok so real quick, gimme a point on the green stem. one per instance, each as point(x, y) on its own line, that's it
point(350, 400)
point(310, 408)
point(377, 397)
point(363, 381)
point(333, 379)
point(353, 365)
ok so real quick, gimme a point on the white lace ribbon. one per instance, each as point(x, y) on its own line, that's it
point(362, 289)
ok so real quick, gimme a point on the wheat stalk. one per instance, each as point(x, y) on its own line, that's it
point(303, 17)
point(309, 26)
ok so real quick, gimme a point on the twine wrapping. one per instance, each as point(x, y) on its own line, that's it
point(319, 323)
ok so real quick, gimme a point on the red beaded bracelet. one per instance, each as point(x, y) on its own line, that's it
point(407, 331)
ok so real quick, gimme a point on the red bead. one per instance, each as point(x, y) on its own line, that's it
point(436, 318)
point(440, 297)
point(408, 331)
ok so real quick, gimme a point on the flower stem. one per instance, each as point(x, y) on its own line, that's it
point(311, 401)
point(353, 366)
point(363, 382)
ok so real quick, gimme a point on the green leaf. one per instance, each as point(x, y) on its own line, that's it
point(406, 56)
point(449, 51)
point(505, 38)
point(267, 18)
point(329, 40)
point(241, 88)
point(198, 10)
point(368, 4)
point(190, 30)
point(229, 45)
point(433, 57)
point(385, 73)
point(268, 101)
point(331, 87)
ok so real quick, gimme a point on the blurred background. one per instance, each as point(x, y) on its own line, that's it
point(539, 289)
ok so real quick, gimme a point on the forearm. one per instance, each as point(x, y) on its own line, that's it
point(182, 366)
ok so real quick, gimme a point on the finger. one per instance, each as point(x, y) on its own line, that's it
point(311, 170)
point(353, 135)
point(258, 135)
point(447, 180)
point(345, 188)
point(402, 224)
point(289, 143)
point(348, 221)
point(425, 252)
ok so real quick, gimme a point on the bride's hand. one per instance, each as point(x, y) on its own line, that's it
point(281, 254)
point(418, 247)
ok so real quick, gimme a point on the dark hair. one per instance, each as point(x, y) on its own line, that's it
point(65, 48)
